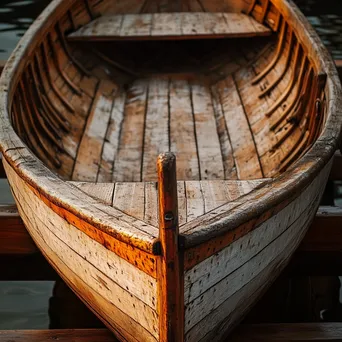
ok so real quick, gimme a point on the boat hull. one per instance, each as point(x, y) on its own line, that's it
point(219, 290)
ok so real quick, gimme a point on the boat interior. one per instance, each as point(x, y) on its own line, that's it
point(227, 86)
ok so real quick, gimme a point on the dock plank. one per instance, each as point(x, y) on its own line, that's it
point(60, 335)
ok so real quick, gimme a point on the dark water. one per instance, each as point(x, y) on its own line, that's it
point(24, 305)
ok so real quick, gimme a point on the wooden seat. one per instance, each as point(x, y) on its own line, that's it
point(170, 26)
point(195, 198)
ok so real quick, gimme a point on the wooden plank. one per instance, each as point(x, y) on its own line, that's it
point(194, 25)
point(166, 24)
point(130, 198)
point(242, 272)
point(208, 144)
point(67, 335)
point(226, 148)
point(239, 299)
point(200, 278)
point(244, 149)
point(56, 245)
point(136, 25)
point(182, 135)
point(288, 332)
point(111, 143)
point(194, 200)
point(127, 166)
point(156, 137)
point(90, 149)
point(151, 203)
point(102, 191)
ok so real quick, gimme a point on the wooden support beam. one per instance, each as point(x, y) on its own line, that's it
point(14, 238)
point(170, 275)
point(288, 332)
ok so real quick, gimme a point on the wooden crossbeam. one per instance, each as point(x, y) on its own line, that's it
point(245, 332)
point(14, 238)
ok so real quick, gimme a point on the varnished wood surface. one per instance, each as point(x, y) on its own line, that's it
point(197, 25)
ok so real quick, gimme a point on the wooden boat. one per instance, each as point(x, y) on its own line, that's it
point(242, 93)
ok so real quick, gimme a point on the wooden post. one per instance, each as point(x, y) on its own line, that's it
point(170, 267)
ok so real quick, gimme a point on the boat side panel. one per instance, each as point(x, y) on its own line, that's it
point(110, 279)
point(213, 283)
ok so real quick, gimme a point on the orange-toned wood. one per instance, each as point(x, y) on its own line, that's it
point(170, 272)
point(144, 261)
point(195, 255)
point(276, 57)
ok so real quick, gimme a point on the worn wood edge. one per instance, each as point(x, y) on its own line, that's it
point(288, 332)
point(291, 12)
point(170, 263)
point(80, 205)
point(31, 169)
point(315, 158)
point(324, 234)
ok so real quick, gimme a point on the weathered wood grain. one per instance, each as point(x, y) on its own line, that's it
point(127, 165)
point(50, 229)
point(201, 307)
point(182, 135)
point(156, 136)
point(90, 148)
point(244, 149)
point(157, 26)
point(42, 86)
point(170, 264)
point(208, 145)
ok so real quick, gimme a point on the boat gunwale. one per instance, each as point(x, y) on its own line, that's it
point(298, 175)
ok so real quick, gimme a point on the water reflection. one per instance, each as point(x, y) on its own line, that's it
point(15, 18)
